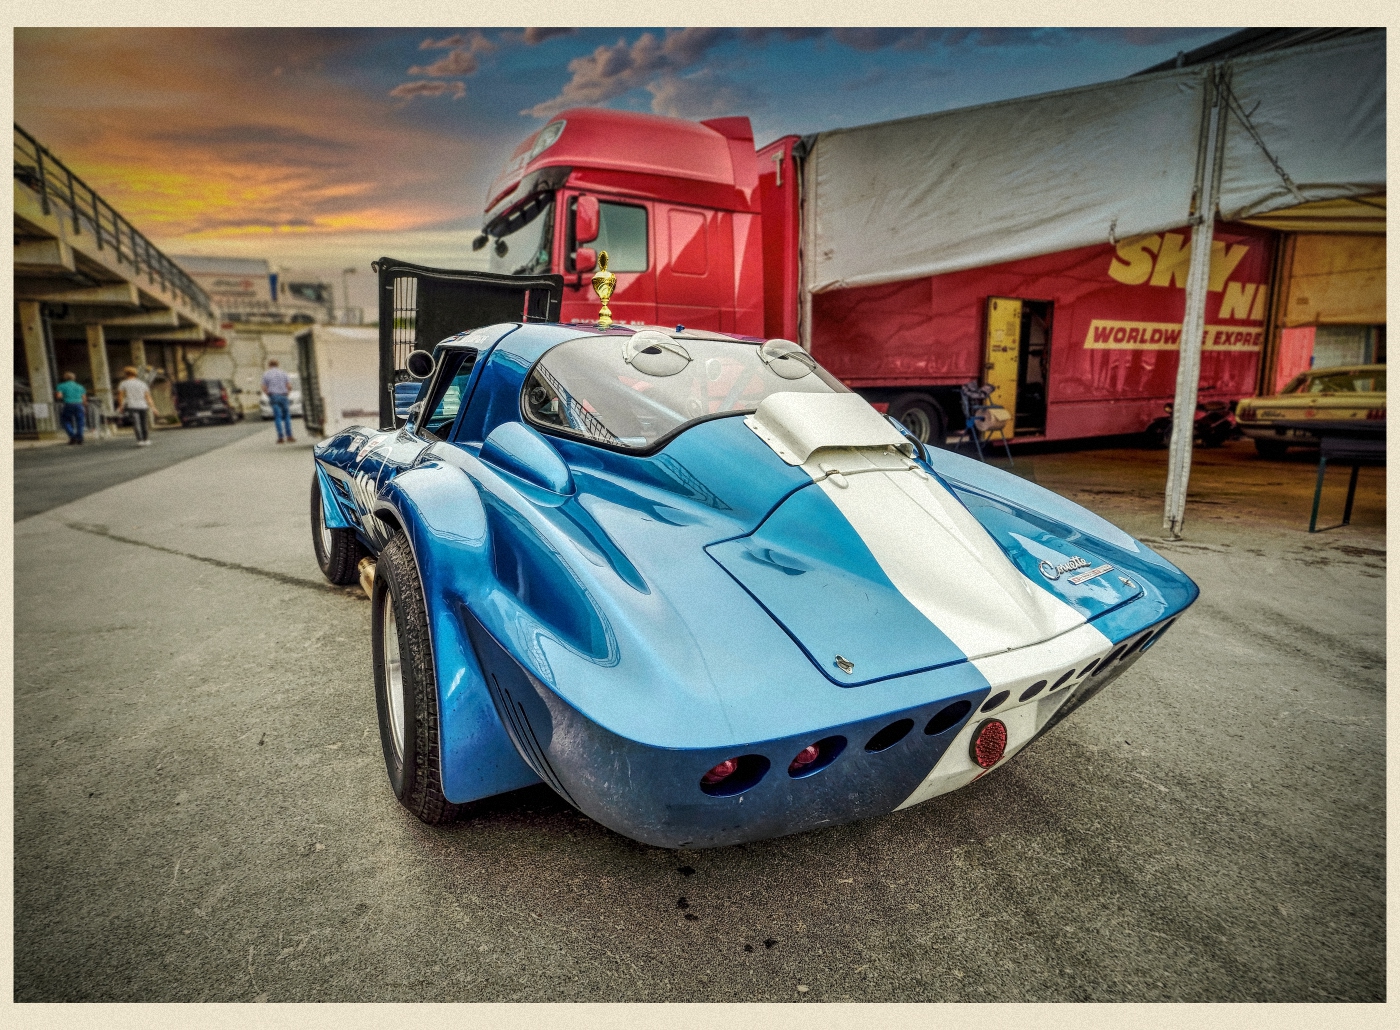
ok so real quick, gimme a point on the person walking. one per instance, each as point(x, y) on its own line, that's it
point(278, 387)
point(135, 396)
point(72, 416)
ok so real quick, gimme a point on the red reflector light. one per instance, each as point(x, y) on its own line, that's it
point(989, 743)
point(805, 757)
point(722, 771)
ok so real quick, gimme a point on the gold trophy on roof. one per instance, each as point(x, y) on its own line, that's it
point(604, 282)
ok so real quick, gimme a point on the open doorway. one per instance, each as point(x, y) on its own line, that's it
point(1033, 373)
point(1018, 360)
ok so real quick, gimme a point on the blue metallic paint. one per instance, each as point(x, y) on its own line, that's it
point(582, 634)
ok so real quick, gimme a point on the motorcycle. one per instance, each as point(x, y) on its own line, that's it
point(1215, 423)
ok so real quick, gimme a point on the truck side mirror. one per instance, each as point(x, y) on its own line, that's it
point(585, 220)
point(585, 259)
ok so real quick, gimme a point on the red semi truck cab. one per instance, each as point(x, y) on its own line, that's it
point(703, 230)
point(676, 205)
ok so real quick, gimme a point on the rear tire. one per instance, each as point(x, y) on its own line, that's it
point(922, 416)
point(337, 550)
point(1270, 450)
point(405, 686)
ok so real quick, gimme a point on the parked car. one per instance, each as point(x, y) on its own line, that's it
point(1348, 398)
point(201, 401)
point(265, 405)
point(704, 591)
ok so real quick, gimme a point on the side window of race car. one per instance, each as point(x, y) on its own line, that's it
point(449, 390)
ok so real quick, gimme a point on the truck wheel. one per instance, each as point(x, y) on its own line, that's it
point(922, 416)
point(1271, 450)
point(337, 551)
point(405, 686)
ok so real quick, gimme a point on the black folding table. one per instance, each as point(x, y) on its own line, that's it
point(1350, 449)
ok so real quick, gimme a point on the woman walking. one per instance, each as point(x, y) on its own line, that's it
point(135, 396)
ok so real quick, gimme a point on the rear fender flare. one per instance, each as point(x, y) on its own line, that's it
point(440, 513)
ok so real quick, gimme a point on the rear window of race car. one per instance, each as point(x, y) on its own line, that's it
point(630, 392)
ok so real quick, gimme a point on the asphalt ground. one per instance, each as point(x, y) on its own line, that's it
point(46, 477)
point(202, 813)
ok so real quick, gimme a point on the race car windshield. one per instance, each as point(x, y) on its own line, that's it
point(630, 391)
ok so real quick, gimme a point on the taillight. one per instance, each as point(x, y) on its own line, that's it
point(1245, 413)
point(989, 743)
point(1375, 413)
point(734, 776)
point(723, 771)
point(805, 757)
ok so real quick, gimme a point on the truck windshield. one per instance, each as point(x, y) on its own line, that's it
point(630, 391)
point(522, 240)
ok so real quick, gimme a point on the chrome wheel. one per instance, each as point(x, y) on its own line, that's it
point(393, 674)
point(323, 529)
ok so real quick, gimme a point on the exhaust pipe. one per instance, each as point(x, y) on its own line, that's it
point(367, 576)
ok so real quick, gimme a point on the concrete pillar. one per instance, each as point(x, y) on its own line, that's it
point(101, 371)
point(138, 355)
point(31, 321)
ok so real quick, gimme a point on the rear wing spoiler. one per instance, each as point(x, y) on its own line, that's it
point(419, 307)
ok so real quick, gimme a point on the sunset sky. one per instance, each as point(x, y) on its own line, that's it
point(325, 148)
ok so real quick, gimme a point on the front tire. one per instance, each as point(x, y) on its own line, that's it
point(405, 686)
point(337, 551)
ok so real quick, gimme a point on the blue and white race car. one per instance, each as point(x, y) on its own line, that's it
point(706, 593)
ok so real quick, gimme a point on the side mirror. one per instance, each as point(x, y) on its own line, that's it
point(420, 364)
point(585, 220)
point(585, 259)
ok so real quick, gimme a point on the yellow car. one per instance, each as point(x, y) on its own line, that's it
point(1349, 398)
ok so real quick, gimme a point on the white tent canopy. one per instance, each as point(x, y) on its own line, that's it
point(978, 186)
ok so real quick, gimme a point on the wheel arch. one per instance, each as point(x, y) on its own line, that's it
point(478, 758)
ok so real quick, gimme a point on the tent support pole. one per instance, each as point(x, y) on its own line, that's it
point(1188, 374)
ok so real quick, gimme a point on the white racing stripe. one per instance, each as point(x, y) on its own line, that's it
point(940, 558)
point(1014, 673)
point(1012, 629)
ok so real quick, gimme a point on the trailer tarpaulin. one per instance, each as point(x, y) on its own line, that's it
point(984, 185)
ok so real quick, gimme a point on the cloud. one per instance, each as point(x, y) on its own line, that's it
point(701, 95)
point(473, 42)
point(408, 90)
point(533, 37)
point(458, 62)
point(611, 71)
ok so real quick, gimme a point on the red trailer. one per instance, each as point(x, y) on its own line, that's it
point(914, 256)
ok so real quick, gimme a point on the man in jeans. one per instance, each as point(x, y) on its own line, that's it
point(278, 387)
point(134, 396)
point(72, 416)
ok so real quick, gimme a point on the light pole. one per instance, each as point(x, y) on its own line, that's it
point(345, 274)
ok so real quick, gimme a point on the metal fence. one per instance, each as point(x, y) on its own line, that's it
point(58, 188)
point(32, 421)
